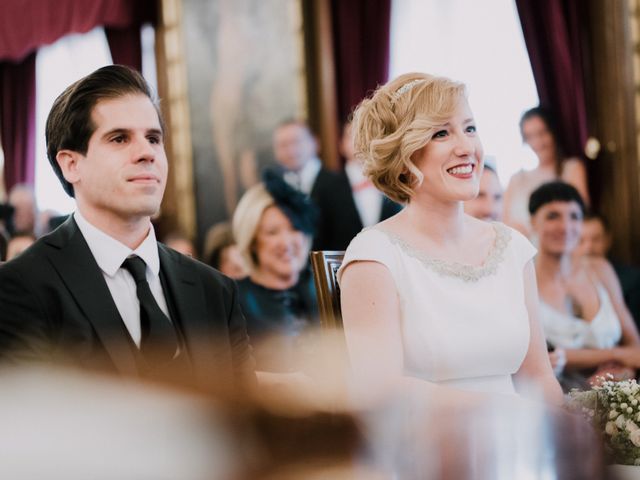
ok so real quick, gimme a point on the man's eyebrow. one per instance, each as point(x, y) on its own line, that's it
point(155, 131)
point(127, 131)
point(114, 131)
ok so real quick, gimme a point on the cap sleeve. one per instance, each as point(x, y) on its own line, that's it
point(522, 247)
point(369, 245)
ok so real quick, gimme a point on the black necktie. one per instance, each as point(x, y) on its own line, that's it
point(159, 340)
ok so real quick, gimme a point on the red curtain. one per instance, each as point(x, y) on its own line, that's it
point(17, 120)
point(361, 31)
point(26, 25)
point(557, 47)
point(125, 46)
point(124, 41)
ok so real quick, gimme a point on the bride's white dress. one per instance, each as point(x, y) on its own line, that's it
point(462, 326)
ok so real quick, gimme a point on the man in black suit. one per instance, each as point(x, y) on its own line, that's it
point(100, 290)
point(346, 201)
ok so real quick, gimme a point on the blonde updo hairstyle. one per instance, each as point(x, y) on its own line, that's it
point(398, 120)
point(246, 220)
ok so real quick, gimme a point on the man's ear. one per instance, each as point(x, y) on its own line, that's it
point(68, 163)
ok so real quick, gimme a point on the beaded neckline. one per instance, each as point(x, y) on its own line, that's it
point(468, 273)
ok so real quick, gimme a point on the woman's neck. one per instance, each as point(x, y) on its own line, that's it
point(547, 162)
point(273, 280)
point(441, 221)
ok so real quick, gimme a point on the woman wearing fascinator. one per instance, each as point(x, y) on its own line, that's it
point(273, 226)
point(433, 297)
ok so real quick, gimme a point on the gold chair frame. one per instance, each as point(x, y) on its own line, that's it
point(325, 265)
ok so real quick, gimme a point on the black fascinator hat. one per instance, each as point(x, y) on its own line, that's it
point(297, 206)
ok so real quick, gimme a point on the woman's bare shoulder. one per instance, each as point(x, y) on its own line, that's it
point(521, 176)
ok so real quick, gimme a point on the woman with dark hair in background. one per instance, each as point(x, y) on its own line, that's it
point(581, 306)
point(539, 131)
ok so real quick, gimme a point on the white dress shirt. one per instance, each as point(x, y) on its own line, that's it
point(304, 178)
point(366, 196)
point(109, 254)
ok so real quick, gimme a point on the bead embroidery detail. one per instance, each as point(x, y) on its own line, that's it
point(467, 273)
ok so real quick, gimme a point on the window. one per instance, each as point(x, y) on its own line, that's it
point(480, 44)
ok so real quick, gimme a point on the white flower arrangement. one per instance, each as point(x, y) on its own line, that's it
point(614, 409)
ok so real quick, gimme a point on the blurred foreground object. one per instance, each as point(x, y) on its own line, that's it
point(65, 425)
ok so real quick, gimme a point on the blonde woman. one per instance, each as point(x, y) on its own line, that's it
point(431, 296)
point(273, 225)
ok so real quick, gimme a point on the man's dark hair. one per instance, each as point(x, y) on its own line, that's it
point(554, 192)
point(69, 124)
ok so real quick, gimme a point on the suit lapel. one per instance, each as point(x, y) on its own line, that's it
point(81, 275)
point(190, 305)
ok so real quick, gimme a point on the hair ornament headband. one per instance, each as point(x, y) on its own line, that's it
point(405, 88)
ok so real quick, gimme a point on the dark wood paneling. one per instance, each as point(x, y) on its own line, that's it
point(321, 90)
point(613, 121)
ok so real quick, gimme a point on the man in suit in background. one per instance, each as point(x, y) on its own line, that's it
point(347, 202)
point(100, 290)
point(296, 151)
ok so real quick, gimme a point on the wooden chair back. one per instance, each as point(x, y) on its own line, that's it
point(325, 265)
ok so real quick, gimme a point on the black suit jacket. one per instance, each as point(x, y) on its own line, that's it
point(54, 301)
point(339, 220)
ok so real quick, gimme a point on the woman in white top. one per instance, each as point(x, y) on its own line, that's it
point(433, 297)
point(582, 309)
point(540, 133)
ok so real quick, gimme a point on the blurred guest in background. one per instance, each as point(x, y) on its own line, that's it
point(596, 242)
point(539, 131)
point(273, 224)
point(581, 305)
point(348, 201)
point(25, 214)
point(181, 243)
point(18, 244)
point(296, 151)
point(222, 253)
point(488, 204)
